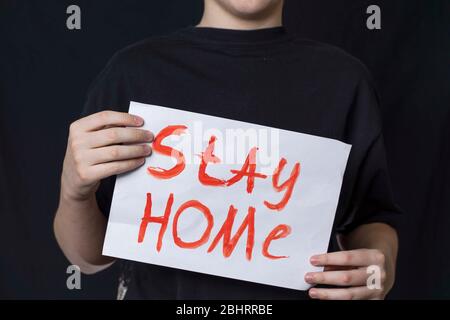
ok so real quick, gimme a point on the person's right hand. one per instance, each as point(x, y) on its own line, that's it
point(98, 147)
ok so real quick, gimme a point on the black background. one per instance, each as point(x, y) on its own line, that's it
point(45, 70)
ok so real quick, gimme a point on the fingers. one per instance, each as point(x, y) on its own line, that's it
point(359, 258)
point(112, 136)
point(97, 148)
point(338, 268)
point(118, 152)
point(104, 170)
point(353, 293)
point(355, 277)
point(107, 118)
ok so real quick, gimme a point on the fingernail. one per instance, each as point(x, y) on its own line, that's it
point(314, 260)
point(309, 277)
point(148, 149)
point(139, 120)
point(150, 136)
point(313, 293)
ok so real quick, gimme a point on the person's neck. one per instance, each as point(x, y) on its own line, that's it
point(216, 17)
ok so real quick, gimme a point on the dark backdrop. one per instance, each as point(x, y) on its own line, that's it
point(45, 71)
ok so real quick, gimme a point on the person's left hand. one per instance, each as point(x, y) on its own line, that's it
point(347, 269)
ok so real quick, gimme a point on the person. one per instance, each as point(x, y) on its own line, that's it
point(239, 62)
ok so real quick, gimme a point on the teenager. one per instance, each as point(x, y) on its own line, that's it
point(237, 63)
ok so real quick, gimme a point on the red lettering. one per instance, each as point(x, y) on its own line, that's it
point(225, 233)
point(288, 185)
point(163, 220)
point(248, 170)
point(209, 157)
point(157, 147)
point(204, 238)
point(279, 232)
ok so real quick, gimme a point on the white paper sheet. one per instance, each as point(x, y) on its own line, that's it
point(309, 212)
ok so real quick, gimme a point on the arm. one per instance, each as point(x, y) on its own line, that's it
point(380, 237)
point(97, 148)
point(367, 245)
point(80, 228)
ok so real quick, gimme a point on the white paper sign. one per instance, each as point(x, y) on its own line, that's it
point(227, 198)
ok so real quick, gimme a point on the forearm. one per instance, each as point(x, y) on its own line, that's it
point(378, 236)
point(80, 228)
point(99, 146)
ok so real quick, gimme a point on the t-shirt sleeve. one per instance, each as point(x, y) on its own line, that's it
point(373, 200)
point(107, 92)
point(370, 198)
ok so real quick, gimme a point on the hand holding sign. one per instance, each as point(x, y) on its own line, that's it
point(95, 151)
point(200, 193)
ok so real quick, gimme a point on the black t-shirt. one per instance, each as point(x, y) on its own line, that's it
point(266, 77)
